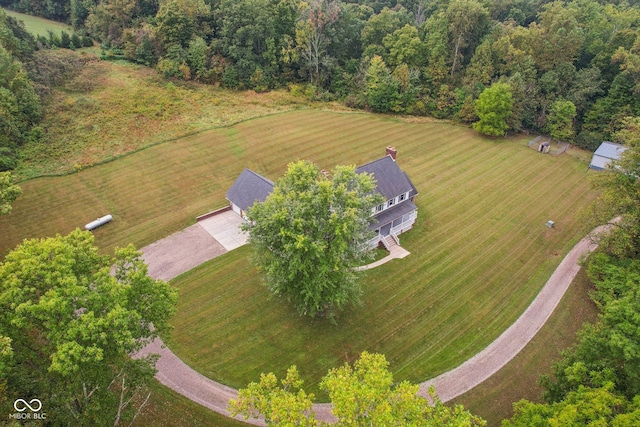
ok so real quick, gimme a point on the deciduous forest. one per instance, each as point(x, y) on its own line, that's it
point(571, 69)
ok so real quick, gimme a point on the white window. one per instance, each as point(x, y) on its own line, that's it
point(380, 208)
point(402, 197)
point(391, 202)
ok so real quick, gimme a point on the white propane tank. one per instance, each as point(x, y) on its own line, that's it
point(98, 222)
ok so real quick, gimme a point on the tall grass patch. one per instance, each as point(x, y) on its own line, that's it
point(109, 109)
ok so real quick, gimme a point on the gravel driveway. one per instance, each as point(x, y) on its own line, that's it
point(180, 252)
point(175, 374)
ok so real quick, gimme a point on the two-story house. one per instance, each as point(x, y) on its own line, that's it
point(389, 219)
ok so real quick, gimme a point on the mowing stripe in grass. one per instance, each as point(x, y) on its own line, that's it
point(480, 251)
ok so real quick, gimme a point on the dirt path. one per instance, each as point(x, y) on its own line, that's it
point(175, 374)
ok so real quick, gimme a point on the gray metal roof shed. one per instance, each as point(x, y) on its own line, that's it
point(606, 153)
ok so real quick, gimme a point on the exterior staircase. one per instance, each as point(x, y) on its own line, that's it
point(388, 242)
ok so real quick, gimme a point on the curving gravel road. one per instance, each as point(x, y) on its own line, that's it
point(175, 374)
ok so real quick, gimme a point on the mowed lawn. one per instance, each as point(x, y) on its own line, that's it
point(480, 249)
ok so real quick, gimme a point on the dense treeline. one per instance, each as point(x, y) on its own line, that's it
point(570, 68)
point(19, 104)
point(27, 73)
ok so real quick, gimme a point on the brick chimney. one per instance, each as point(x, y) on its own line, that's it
point(391, 151)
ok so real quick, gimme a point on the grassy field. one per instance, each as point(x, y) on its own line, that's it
point(519, 379)
point(480, 250)
point(109, 109)
point(480, 253)
point(168, 408)
point(492, 400)
point(39, 26)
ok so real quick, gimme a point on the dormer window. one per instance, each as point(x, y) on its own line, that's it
point(380, 208)
point(391, 202)
point(402, 197)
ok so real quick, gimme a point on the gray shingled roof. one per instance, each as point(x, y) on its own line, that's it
point(390, 180)
point(249, 188)
point(389, 215)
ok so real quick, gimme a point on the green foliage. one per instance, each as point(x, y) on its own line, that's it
point(361, 395)
point(582, 51)
point(382, 89)
point(405, 47)
point(468, 21)
point(493, 107)
point(366, 394)
point(73, 324)
point(310, 233)
point(311, 37)
point(9, 192)
point(583, 407)
point(245, 28)
point(19, 104)
point(197, 58)
point(560, 120)
point(286, 405)
point(382, 24)
point(610, 350)
point(6, 353)
point(597, 382)
point(65, 39)
point(177, 21)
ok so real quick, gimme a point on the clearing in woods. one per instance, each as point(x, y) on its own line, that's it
point(39, 26)
point(480, 250)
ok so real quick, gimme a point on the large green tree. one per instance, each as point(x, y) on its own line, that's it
point(361, 395)
point(382, 90)
point(494, 107)
point(73, 318)
point(468, 22)
point(311, 35)
point(560, 120)
point(310, 233)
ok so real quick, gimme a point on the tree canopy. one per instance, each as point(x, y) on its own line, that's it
point(310, 233)
point(494, 107)
point(361, 395)
point(9, 192)
point(71, 319)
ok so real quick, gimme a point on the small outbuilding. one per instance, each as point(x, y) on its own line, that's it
point(606, 153)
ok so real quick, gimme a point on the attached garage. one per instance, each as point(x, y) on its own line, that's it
point(248, 189)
